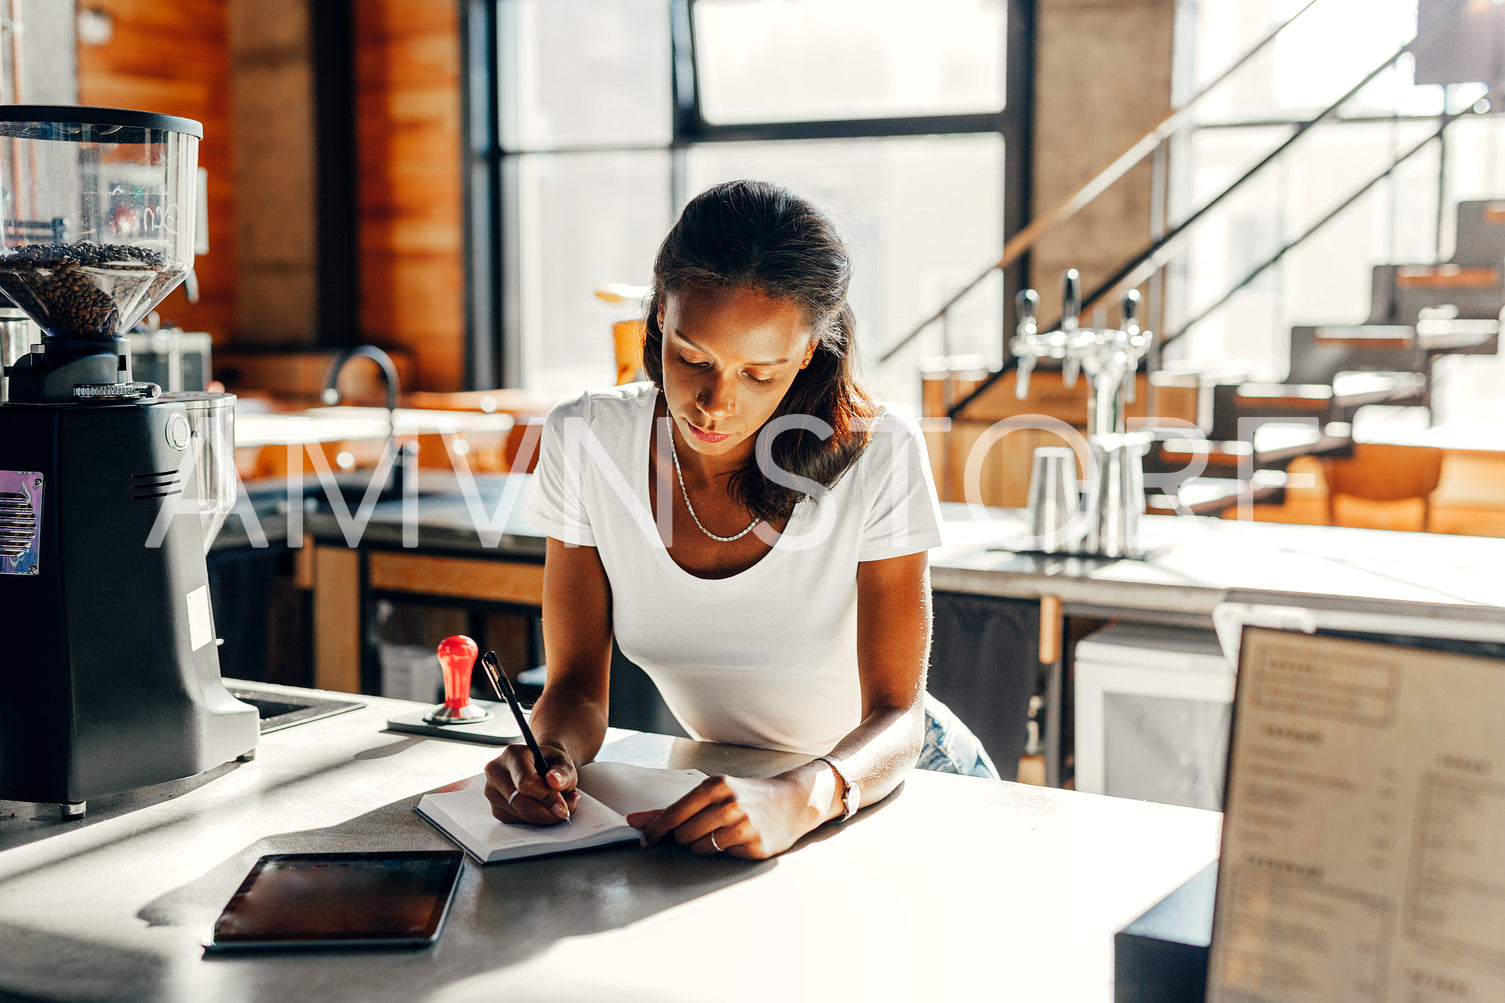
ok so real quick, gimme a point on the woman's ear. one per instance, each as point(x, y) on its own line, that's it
point(660, 318)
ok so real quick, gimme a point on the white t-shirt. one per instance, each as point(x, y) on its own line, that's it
point(767, 657)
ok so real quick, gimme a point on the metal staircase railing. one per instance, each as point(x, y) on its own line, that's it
point(1445, 120)
point(1147, 262)
point(1015, 247)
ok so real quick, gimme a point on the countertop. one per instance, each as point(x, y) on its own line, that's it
point(254, 429)
point(952, 888)
point(1190, 562)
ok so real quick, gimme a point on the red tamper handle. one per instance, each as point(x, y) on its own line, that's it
point(457, 657)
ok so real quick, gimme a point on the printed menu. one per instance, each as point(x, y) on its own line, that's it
point(1363, 850)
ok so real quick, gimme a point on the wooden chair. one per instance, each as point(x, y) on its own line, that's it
point(1383, 486)
point(1305, 500)
point(627, 332)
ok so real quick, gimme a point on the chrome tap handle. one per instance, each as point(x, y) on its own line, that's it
point(1071, 300)
point(1130, 311)
point(1135, 340)
point(1026, 311)
point(1070, 366)
point(1026, 343)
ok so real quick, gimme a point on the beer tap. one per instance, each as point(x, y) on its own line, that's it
point(1026, 345)
point(1064, 344)
point(1133, 336)
point(1110, 359)
point(1071, 309)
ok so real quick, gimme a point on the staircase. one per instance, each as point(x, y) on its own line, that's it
point(1420, 312)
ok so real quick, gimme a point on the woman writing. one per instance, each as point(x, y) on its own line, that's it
point(752, 529)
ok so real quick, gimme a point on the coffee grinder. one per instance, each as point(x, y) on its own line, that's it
point(110, 491)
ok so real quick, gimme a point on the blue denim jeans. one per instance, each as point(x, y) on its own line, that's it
point(950, 747)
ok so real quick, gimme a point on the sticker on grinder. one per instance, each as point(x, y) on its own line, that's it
point(200, 620)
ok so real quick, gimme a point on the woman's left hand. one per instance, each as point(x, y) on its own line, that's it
point(747, 818)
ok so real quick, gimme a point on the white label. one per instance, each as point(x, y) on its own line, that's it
point(200, 620)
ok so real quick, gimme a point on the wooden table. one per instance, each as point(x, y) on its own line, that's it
point(954, 888)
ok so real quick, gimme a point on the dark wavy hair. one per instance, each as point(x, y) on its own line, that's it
point(752, 234)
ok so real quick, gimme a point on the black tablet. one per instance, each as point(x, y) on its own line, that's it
point(293, 900)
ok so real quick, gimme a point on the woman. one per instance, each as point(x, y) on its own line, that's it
point(752, 528)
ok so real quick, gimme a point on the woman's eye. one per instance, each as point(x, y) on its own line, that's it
point(703, 365)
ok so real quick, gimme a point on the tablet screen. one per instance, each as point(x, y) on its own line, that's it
point(340, 900)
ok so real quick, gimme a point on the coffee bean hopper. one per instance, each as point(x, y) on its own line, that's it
point(110, 490)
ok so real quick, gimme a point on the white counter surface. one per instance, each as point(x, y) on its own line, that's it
point(1191, 562)
point(955, 888)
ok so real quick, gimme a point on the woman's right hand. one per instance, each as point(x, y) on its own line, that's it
point(519, 795)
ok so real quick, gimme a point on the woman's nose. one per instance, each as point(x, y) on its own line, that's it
point(715, 397)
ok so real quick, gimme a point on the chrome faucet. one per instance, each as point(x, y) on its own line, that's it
point(402, 456)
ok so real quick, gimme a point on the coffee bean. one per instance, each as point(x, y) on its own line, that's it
point(86, 290)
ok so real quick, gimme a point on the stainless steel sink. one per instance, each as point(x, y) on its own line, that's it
point(283, 710)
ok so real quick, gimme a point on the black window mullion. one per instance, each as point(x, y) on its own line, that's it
point(1018, 149)
point(332, 27)
point(685, 93)
point(848, 128)
point(481, 195)
point(684, 90)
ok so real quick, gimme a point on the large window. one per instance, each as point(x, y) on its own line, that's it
point(776, 61)
point(897, 118)
point(1405, 218)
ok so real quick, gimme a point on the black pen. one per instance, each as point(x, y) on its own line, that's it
point(502, 686)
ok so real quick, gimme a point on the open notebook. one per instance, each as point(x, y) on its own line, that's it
point(609, 792)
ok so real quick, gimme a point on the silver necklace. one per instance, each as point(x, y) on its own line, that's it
point(674, 453)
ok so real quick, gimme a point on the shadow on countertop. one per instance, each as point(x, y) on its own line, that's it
point(502, 915)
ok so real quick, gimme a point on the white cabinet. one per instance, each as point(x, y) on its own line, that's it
point(1153, 707)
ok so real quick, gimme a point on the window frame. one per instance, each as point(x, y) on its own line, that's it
point(493, 353)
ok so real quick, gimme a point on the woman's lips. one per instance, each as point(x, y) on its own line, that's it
point(705, 436)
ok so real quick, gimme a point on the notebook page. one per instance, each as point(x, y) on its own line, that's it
point(627, 788)
point(466, 815)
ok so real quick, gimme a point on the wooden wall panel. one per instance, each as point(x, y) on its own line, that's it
point(1082, 121)
point(409, 192)
point(177, 57)
point(337, 619)
point(279, 295)
point(173, 57)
